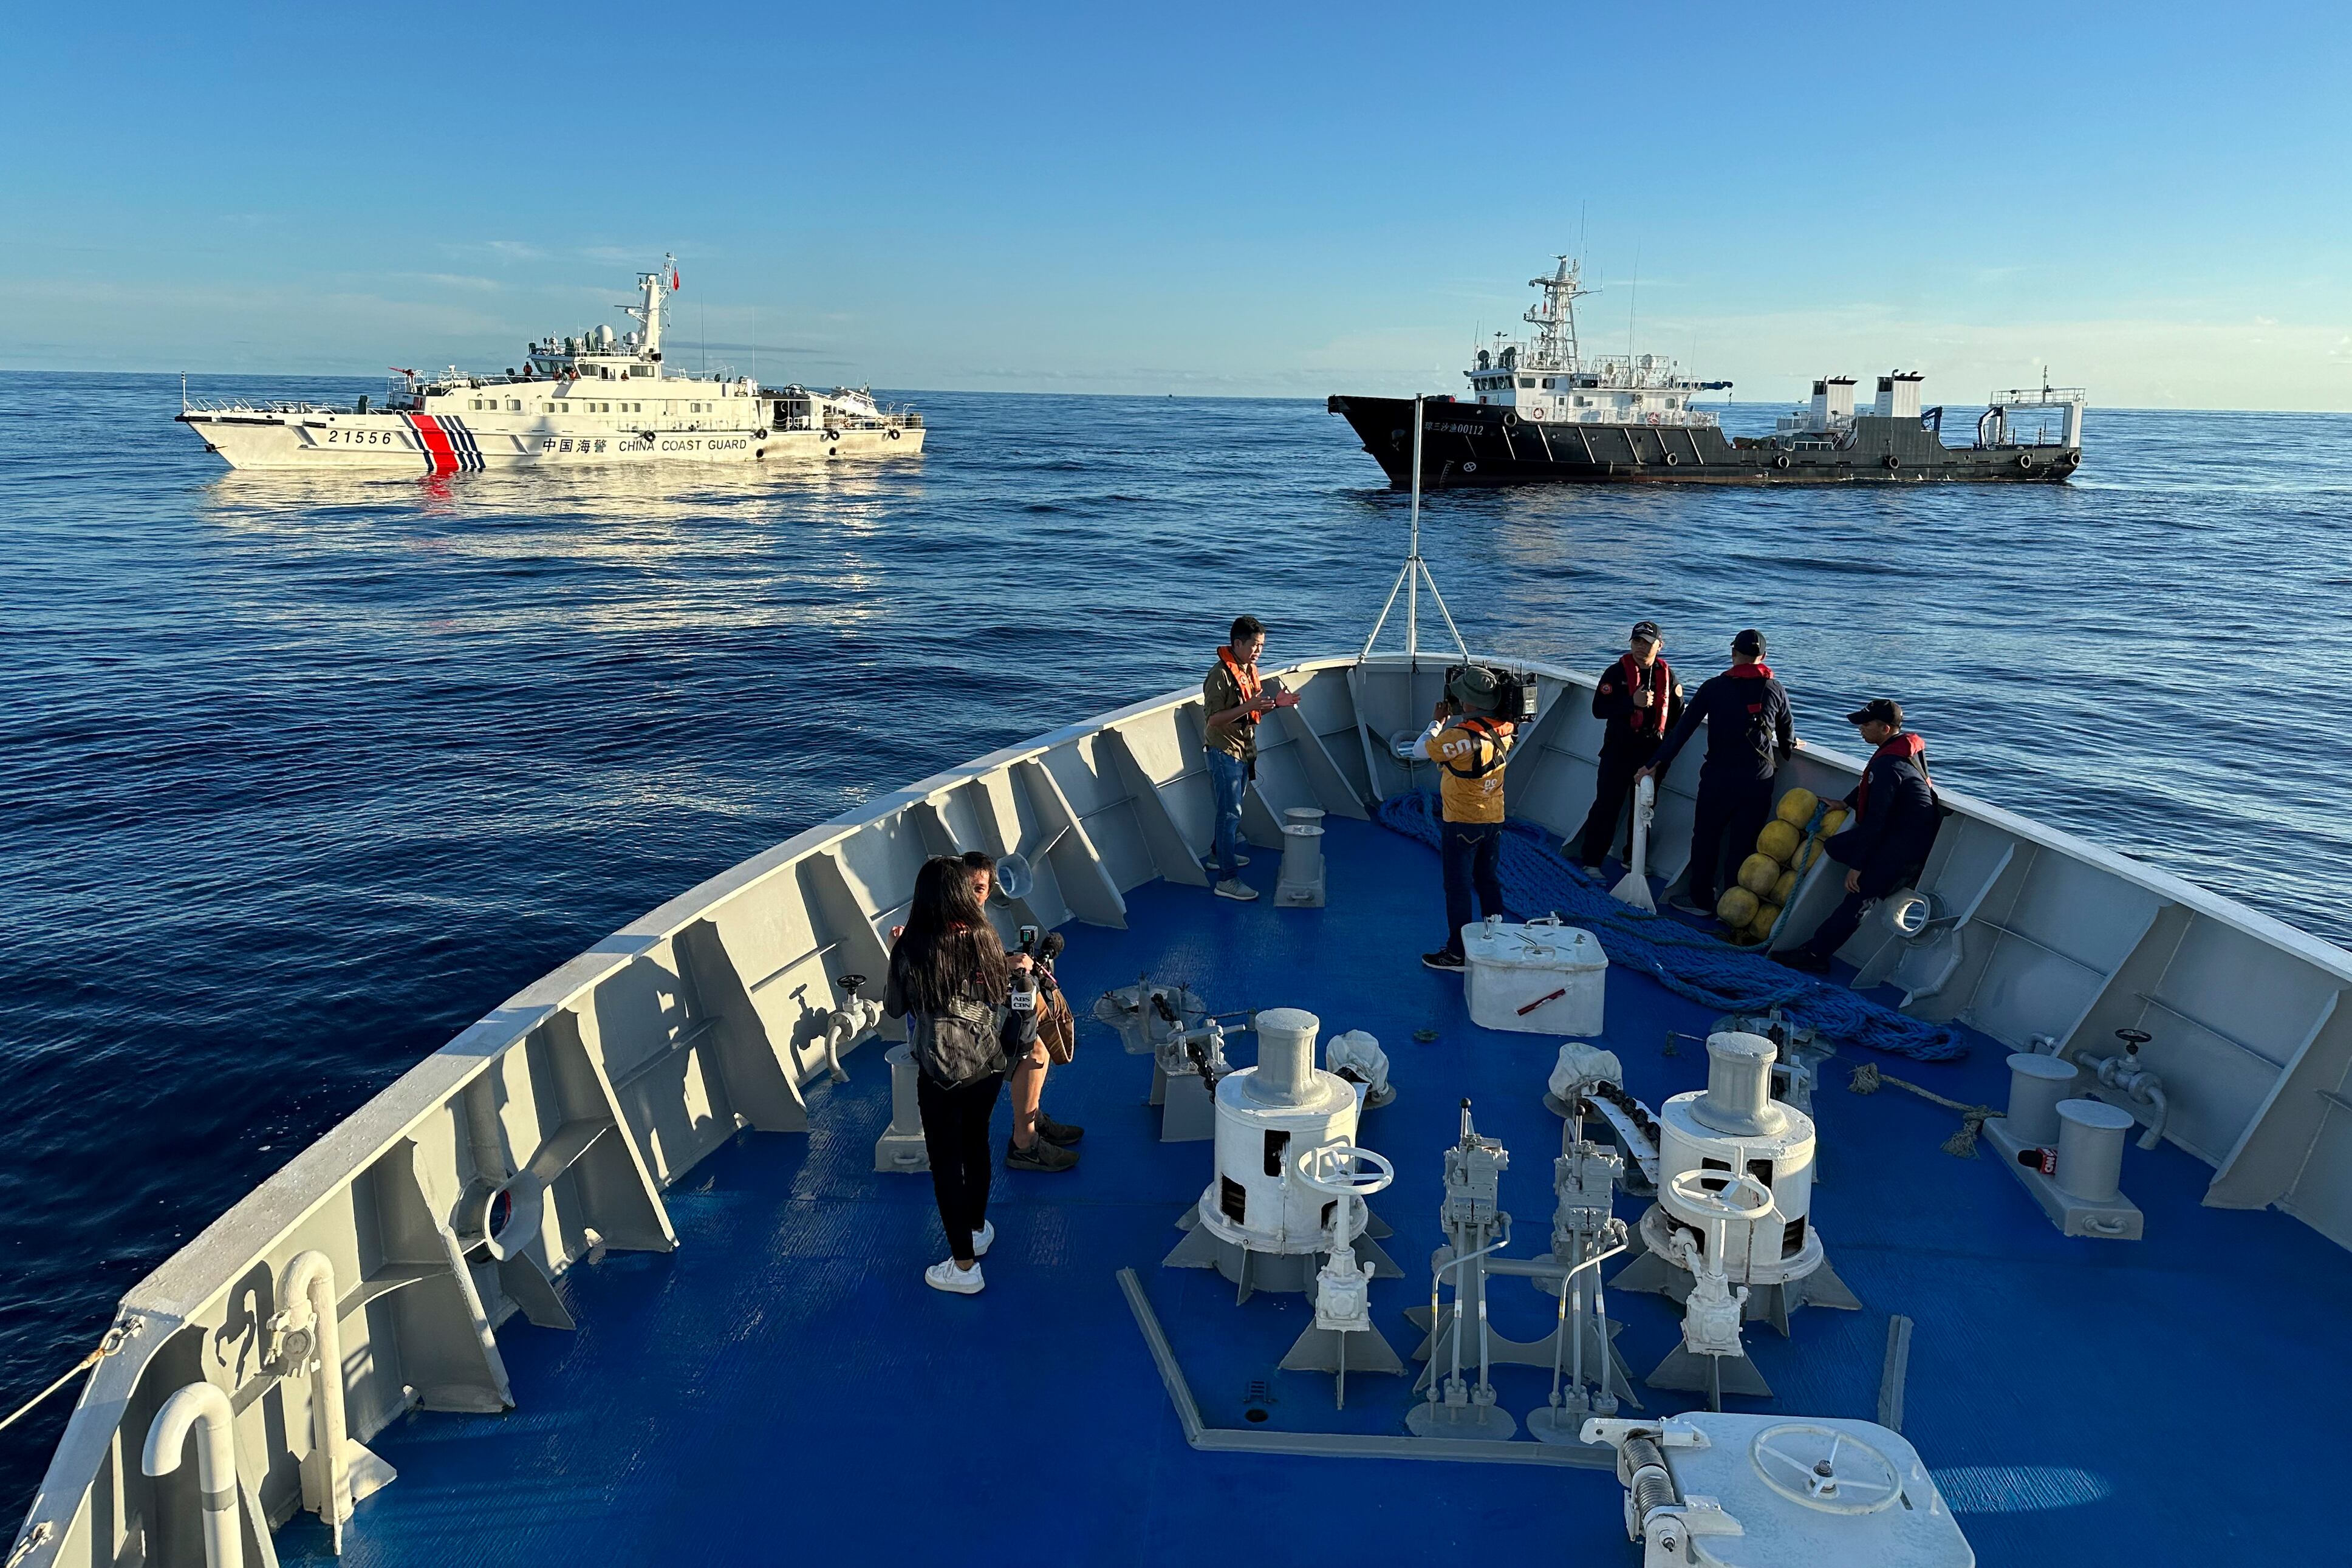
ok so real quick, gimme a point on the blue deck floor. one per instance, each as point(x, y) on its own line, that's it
point(783, 1386)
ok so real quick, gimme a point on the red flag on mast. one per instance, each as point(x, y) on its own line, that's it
point(673, 279)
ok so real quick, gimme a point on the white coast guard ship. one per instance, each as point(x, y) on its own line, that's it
point(591, 399)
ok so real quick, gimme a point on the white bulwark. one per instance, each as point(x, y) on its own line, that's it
point(595, 398)
point(1549, 380)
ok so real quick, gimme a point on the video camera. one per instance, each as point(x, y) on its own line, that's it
point(1044, 947)
point(1515, 691)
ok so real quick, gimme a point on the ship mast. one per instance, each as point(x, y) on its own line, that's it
point(650, 312)
point(1555, 318)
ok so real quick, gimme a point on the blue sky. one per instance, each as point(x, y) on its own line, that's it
point(1261, 200)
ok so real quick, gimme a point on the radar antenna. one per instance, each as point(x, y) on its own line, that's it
point(1554, 320)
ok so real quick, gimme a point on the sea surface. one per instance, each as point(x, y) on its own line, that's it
point(300, 776)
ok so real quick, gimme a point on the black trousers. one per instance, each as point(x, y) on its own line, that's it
point(1731, 813)
point(1621, 757)
point(1835, 931)
point(955, 1136)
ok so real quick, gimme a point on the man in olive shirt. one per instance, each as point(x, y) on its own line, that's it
point(1234, 699)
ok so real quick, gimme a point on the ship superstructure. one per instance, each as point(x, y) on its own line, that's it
point(595, 397)
point(1549, 378)
point(1543, 410)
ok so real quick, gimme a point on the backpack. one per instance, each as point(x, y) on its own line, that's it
point(961, 1045)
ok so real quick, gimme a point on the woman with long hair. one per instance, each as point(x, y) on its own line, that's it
point(969, 1010)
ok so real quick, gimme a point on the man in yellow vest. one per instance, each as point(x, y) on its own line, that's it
point(1469, 745)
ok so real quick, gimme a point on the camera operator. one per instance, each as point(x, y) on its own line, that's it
point(1039, 1142)
point(969, 1009)
point(1469, 745)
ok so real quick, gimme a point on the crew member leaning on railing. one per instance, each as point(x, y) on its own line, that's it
point(1895, 815)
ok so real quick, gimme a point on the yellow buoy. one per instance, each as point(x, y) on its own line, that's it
point(1737, 907)
point(1833, 820)
point(1779, 840)
point(1796, 806)
point(1767, 916)
point(1758, 873)
point(1784, 887)
point(1813, 852)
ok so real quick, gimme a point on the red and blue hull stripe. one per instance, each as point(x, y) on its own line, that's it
point(449, 446)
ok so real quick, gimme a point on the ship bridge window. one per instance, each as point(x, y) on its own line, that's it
point(1529, 383)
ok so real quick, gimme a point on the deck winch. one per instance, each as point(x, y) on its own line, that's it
point(1258, 1222)
point(1734, 1198)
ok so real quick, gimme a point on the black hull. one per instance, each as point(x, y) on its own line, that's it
point(1473, 445)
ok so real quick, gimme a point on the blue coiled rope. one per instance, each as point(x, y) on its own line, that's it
point(1537, 878)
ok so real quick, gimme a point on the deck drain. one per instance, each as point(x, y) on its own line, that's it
point(1256, 1400)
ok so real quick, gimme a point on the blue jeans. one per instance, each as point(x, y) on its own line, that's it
point(1471, 853)
point(1228, 777)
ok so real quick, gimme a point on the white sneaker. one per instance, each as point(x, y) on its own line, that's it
point(1237, 890)
point(944, 1275)
point(982, 1239)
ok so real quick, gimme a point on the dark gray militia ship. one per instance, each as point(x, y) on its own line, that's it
point(1545, 413)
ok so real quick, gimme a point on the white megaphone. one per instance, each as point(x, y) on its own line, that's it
point(1015, 877)
point(1634, 889)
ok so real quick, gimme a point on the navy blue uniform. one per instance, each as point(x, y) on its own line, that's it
point(1895, 821)
point(1749, 733)
point(1631, 738)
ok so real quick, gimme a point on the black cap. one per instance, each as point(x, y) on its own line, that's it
point(1878, 710)
point(1750, 643)
point(1646, 632)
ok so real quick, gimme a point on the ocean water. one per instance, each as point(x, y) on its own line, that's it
point(301, 776)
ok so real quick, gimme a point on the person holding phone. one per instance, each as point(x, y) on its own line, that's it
point(1233, 700)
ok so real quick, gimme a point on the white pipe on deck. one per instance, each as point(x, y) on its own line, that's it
point(308, 1286)
point(205, 1408)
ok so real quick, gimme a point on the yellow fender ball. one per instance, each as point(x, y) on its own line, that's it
point(1757, 873)
point(1796, 806)
point(1779, 840)
point(1767, 916)
point(1737, 907)
point(1813, 852)
point(1784, 887)
point(1834, 819)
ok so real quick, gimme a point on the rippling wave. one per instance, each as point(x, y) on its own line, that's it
point(303, 774)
